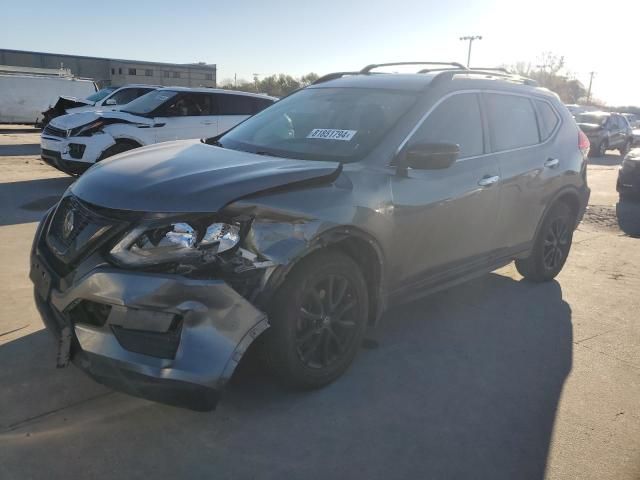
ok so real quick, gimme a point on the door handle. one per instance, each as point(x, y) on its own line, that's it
point(552, 163)
point(488, 181)
point(208, 123)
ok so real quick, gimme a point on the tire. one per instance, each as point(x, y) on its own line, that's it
point(625, 149)
point(119, 147)
point(306, 348)
point(551, 246)
point(601, 151)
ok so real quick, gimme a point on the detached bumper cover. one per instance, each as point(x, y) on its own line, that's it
point(217, 326)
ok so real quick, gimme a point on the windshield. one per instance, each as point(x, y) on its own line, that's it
point(591, 118)
point(100, 94)
point(342, 124)
point(147, 103)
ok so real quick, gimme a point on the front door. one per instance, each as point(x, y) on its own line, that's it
point(189, 115)
point(445, 219)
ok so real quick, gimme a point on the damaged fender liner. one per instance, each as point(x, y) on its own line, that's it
point(218, 327)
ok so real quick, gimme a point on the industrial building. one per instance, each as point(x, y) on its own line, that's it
point(113, 71)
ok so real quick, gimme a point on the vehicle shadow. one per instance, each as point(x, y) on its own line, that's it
point(610, 159)
point(26, 201)
point(628, 213)
point(463, 384)
point(20, 150)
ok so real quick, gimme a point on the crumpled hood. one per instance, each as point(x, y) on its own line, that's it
point(189, 176)
point(73, 120)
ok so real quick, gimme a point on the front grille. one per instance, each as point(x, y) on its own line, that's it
point(78, 228)
point(54, 132)
point(70, 219)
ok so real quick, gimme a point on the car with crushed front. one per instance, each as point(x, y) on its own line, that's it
point(301, 226)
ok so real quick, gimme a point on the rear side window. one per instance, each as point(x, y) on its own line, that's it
point(512, 120)
point(547, 119)
point(260, 104)
point(229, 104)
point(456, 120)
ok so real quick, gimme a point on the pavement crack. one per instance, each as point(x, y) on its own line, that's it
point(578, 342)
point(15, 426)
point(14, 330)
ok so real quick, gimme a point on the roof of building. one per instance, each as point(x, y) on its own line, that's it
point(207, 66)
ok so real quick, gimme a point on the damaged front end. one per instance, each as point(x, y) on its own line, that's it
point(162, 306)
point(60, 108)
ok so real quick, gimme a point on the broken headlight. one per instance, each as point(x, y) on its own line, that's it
point(178, 241)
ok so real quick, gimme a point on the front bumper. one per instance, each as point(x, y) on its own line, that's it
point(216, 326)
point(74, 154)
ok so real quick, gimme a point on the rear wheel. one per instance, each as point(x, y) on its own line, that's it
point(318, 318)
point(551, 246)
point(119, 147)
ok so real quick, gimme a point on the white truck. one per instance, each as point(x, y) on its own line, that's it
point(24, 96)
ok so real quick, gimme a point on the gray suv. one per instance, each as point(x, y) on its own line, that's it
point(299, 227)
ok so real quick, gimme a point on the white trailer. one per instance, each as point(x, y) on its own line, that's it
point(24, 96)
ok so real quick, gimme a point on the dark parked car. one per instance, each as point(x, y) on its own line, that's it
point(606, 131)
point(159, 267)
point(628, 184)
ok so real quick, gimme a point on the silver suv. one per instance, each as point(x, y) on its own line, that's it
point(301, 226)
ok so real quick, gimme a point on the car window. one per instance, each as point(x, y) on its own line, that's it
point(547, 119)
point(151, 103)
point(512, 121)
point(229, 104)
point(456, 120)
point(126, 95)
point(260, 104)
point(190, 105)
point(342, 124)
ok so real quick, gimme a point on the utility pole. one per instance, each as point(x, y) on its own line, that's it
point(470, 39)
point(255, 80)
point(591, 74)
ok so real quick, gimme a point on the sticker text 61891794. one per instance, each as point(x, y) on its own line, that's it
point(332, 134)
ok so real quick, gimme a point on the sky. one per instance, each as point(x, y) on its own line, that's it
point(294, 37)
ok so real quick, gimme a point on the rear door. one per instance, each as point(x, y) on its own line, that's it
point(529, 160)
point(446, 219)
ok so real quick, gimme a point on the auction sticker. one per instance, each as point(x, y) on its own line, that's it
point(332, 134)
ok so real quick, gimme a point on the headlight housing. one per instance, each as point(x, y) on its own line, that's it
point(88, 129)
point(175, 241)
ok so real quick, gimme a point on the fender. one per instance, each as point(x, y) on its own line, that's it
point(338, 237)
point(574, 192)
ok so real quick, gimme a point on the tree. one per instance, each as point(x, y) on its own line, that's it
point(550, 73)
point(278, 85)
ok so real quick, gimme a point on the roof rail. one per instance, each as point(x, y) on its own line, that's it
point(449, 74)
point(492, 69)
point(333, 76)
point(368, 68)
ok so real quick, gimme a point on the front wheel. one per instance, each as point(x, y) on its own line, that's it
point(625, 148)
point(118, 147)
point(318, 318)
point(551, 246)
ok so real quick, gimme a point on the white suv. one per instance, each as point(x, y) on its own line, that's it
point(74, 142)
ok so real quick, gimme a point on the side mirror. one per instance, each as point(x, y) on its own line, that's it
point(110, 101)
point(428, 156)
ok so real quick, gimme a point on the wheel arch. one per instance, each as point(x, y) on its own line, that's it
point(361, 247)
